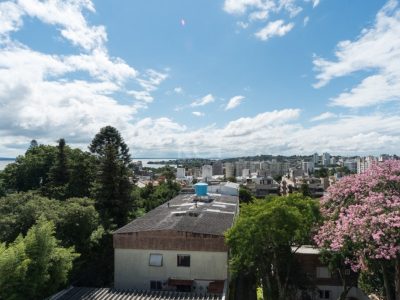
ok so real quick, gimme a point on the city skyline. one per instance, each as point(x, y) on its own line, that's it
point(206, 79)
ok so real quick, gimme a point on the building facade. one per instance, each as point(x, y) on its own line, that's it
point(178, 246)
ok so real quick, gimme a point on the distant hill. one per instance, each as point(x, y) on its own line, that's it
point(6, 158)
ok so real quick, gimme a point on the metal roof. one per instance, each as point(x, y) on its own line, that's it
point(80, 293)
point(188, 213)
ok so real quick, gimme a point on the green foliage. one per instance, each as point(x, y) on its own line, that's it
point(56, 172)
point(305, 190)
point(35, 266)
point(321, 173)
point(261, 240)
point(109, 136)
point(245, 195)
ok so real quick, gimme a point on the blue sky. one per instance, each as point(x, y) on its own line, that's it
point(202, 78)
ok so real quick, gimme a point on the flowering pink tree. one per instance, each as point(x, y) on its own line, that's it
point(362, 213)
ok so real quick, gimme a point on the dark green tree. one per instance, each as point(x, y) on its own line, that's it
point(305, 190)
point(112, 189)
point(245, 195)
point(110, 136)
point(59, 174)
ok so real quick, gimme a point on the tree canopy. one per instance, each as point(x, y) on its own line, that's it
point(34, 266)
point(265, 237)
point(362, 213)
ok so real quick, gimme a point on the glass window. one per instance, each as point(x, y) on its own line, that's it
point(155, 260)
point(155, 285)
point(183, 260)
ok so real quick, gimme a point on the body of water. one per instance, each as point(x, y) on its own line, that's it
point(145, 162)
point(4, 163)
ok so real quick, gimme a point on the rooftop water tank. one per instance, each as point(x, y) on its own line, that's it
point(201, 189)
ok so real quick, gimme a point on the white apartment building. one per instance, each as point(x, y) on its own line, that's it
point(206, 172)
point(178, 246)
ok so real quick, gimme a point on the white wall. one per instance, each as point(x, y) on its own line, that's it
point(336, 290)
point(132, 270)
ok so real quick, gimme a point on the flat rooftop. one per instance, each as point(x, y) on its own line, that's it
point(213, 215)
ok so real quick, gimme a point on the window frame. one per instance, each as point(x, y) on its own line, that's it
point(158, 285)
point(156, 265)
point(180, 258)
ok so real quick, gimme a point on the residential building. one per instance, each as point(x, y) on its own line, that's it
point(206, 172)
point(178, 246)
point(229, 169)
point(315, 158)
point(217, 168)
point(307, 167)
point(329, 285)
point(263, 186)
point(180, 173)
point(363, 163)
point(351, 164)
point(326, 159)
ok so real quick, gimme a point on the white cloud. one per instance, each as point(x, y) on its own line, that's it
point(234, 102)
point(255, 11)
point(198, 113)
point(203, 101)
point(10, 17)
point(324, 116)
point(38, 97)
point(178, 90)
point(376, 50)
point(315, 3)
point(242, 25)
point(276, 28)
point(306, 20)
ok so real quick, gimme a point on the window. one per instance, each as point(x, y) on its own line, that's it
point(183, 260)
point(323, 272)
point(324, 294)
point(347, 272)
point(155, 260)
point(155, 285)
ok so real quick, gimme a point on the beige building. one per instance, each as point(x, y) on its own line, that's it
point(178, 246)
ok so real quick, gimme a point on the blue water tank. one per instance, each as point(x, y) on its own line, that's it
point(201, 189)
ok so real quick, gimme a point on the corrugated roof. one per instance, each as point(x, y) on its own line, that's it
point(182, 214)
point(80, 293)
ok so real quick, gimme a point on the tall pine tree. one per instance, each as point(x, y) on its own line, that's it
point(112, 187)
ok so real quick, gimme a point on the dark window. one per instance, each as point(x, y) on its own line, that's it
point(155, 285)
point(324, 294)
point(183, 260)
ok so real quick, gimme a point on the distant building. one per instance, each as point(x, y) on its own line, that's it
point(262, 186)
point(229, 170)
point(217, 168)
point(315, 158)
point(363, 163)
point(350, 164)
point(178, 246)
point(326, 159)
point(206, 172)
point(308, 167)
point(180, 173)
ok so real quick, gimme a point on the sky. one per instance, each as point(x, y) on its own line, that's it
point(202, 78)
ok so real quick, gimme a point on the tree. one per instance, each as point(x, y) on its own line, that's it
point(305, 190)
point(34, 266)
point(245, 195)
point(110, 136)
point(322, 173)
point(59, 174)
point(362, 214)
point(33, 144)
point(265, 237)
point(112, 189)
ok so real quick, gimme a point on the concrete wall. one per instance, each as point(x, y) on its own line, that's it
point(132, 270)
